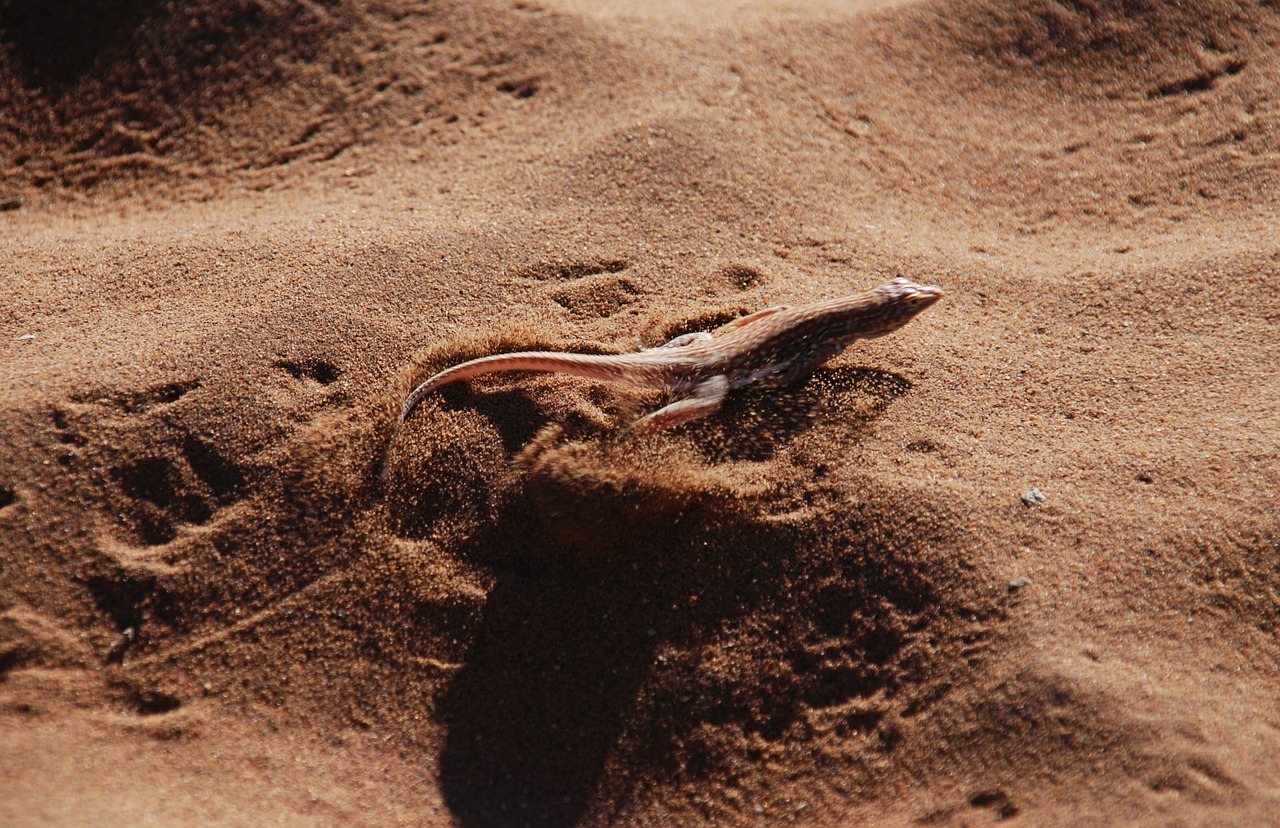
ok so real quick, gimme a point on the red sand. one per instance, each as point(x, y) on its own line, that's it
point(241, 224)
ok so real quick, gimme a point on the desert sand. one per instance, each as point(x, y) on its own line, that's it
point(236, 232)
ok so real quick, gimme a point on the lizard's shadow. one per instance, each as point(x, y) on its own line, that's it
point(539, 703)
point(595, 576)
point(753, 422)
point(515, 416)
point(749, 426)
point(598, 568)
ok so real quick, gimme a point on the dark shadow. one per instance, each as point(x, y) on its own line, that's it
point(122, 597)
point(598, 567)
point(220, 472)
point(883, 386)
point(567, 638)
point(748, 426)
point(547, 683)
point(55, 42)
point(514, 415)
point(160, 497)
point(566, 665)
point(319, 370)
point(754, 421)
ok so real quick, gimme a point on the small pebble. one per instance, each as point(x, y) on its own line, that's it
point(1033, 497)
point(1018, 583)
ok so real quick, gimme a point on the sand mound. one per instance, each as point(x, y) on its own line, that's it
point(656, 617)
point(159, 92)
point(1058, 114)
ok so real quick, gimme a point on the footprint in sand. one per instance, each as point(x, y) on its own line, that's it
point(169, 487)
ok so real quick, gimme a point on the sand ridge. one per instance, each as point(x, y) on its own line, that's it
point(248, 227)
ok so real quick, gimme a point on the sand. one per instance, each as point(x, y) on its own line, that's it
point(237, 231)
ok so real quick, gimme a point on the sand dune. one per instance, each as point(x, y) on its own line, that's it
point(236, 234)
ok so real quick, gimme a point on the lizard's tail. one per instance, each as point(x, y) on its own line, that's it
point(608, 367)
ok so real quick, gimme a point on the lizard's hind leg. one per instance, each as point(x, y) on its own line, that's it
point(705, 399)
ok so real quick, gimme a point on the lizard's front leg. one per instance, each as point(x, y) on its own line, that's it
point(703, 336)
point(683, 340)
point(705, 399)
point(743, 321)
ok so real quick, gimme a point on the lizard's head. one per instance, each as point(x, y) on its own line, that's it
point(900, 301)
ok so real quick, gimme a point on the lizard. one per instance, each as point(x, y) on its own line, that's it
point(777, 345)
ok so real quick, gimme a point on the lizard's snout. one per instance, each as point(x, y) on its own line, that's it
point(923, 296)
